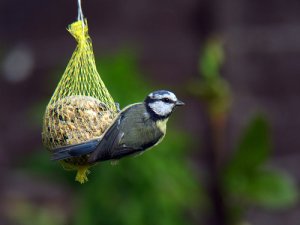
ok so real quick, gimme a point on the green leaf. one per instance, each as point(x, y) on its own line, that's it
point(212, 59)
point(254, 146)
point(269, 189)
point(246, 180)
point(273, 189)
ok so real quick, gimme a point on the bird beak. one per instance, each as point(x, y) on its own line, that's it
point(179, 103)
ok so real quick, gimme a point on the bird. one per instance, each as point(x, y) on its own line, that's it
point(135, 129)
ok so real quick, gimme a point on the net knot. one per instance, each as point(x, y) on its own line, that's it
point(79, 30)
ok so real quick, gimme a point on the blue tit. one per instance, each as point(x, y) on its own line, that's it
point(136, 128)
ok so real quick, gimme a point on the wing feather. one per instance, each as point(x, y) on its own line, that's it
point(75, 150)
point(110, 139)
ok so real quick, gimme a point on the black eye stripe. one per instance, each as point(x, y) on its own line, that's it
point(163, 99)
point(167, 100)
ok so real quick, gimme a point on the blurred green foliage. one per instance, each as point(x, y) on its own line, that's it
point(212, 59)
point(122, 78)
point(212, 89)
point(158, 187)
point(25, 213)
point(247, 178)
point(254, 145)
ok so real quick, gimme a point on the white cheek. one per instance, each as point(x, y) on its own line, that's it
point(161, 108)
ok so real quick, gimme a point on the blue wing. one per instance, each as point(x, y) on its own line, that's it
point(75, 150)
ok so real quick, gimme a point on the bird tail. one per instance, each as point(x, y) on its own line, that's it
point(74, 150)
point(60, 155)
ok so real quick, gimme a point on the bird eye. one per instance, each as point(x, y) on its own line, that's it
point(166, 100)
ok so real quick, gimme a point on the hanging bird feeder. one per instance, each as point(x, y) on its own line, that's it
point(81, 108)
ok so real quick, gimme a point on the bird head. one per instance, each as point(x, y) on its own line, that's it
point(160, 104)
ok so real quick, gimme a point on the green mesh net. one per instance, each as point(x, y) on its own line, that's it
point(81, 107)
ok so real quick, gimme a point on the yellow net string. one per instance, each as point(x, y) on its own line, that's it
point(81, 76)
point(81, 107)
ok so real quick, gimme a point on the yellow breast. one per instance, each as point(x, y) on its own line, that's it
point(162, 125)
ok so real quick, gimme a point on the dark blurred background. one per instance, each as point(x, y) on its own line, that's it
point(230, 155)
